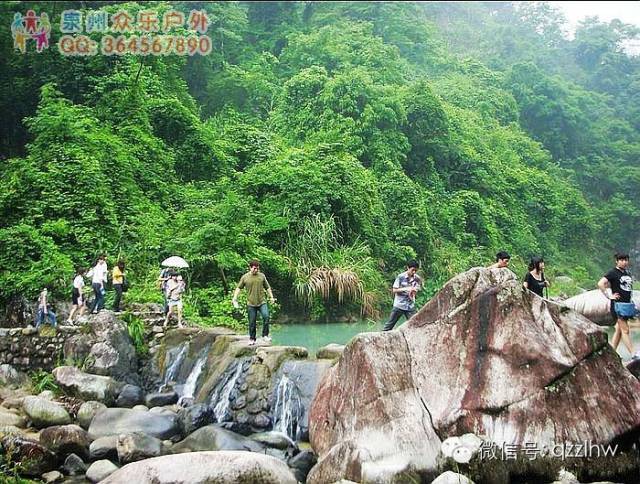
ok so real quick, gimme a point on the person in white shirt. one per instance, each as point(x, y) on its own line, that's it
point(77, 298)
point(98, 275)
point(175, 288)
point(44, 311)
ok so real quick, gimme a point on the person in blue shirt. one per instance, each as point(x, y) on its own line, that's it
point(405, 288)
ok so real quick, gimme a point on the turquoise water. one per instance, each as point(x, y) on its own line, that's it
point(316, 335)
point(635, 340)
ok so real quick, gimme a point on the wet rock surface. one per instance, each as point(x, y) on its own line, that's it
point(212, 438)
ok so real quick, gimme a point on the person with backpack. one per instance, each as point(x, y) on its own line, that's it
point(405, 288)
point(620, 281)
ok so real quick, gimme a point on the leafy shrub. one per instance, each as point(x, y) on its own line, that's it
point(43, 380)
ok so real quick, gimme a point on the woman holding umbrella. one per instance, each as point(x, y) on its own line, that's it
point(165, 274)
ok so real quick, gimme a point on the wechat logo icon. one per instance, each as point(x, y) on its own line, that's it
point(461, 449)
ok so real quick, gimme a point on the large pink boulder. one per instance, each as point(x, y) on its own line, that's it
point(483, 357)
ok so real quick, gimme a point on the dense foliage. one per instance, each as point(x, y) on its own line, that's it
point(332, 141)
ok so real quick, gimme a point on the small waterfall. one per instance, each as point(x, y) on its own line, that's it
point(294, 388)
point(221, 407)
point(288, 408)
point(174, 363)
point(190, 386)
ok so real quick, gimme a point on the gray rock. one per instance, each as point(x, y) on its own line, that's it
point(214, 437)
point(53, 476)
point(13, 402)
point(87, 411)
point(634, 367)
point(330, 352)
point(47, 394)
point(100, 470)
point(106, 348)
point(277, 440)
point(10, 430)
point(261, 421)
point(8, 418)
point(66, 439)
point(205, 467)
point(86, 386)
point(301, 464)
point(35, 458)
point(161, 399)
point(104, 448)
point(143, 408)
point(162, 411)
point(103, 358)
point(194, 417)
point(130, 395)
point(137, 446)
point(451, 477)
point(274, 356)
point(10, 377)
point(74, 466)
point(566, 477)
point(115, 421)
point(44, 413)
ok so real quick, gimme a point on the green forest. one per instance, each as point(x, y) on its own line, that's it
point(331, 141)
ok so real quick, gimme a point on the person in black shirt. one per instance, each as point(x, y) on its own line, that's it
point(534, 280)
point(621, 284)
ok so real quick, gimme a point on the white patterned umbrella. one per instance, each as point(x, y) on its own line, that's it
point(175, 261)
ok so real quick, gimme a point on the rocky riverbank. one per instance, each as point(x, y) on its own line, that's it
point(481, 370)
point(201, 392)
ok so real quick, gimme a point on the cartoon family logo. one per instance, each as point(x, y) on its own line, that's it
point(32, 27)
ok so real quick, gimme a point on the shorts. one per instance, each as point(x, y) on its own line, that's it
point(76, 297)
point(615, 315)
point(173, 303)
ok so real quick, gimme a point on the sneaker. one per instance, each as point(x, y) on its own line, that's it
point(252, 342)
point(266, 339)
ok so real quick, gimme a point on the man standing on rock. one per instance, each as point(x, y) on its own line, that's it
point(405, 287)
point(621, 284)
point(98, 275)
point(256, 284)
point(502, 260)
